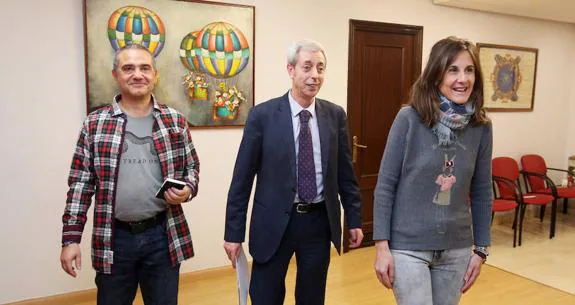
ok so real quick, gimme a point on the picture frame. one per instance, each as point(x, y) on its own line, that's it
point(204, 54)
point(509, 76)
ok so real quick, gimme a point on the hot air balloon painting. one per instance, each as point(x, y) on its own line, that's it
point(203, 54)
point(218, 52)
point(136, 25)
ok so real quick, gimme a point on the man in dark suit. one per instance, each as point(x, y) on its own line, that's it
point(297, 145)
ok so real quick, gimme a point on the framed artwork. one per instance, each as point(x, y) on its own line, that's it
point(509, 75)
point(204, 54)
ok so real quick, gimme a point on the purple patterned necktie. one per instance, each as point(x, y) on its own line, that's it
point(306, 185)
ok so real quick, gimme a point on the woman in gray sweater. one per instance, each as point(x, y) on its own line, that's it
point(433, 196)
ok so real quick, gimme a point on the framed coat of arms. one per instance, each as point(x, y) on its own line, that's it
point(509, 75)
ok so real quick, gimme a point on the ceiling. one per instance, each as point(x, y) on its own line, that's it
point(555, 10)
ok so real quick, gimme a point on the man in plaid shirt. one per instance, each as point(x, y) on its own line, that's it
point(124, 152)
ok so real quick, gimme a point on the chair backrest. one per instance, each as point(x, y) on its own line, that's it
point(507, 168)
point(535, 164)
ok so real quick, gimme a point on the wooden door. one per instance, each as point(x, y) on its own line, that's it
point(384, 61)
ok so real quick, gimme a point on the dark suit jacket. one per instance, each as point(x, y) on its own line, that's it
point(268, 151)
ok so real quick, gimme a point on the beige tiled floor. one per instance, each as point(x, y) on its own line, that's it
point(547, 261)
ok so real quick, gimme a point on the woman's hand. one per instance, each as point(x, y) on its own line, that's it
point(473, 270)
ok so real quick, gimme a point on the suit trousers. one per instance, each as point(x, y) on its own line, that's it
point(308, 236)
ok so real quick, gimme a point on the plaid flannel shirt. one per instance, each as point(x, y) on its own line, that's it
point(94, 169)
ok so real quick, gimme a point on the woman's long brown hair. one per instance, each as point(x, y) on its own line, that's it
point(424, 94)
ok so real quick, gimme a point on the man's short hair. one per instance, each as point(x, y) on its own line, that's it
point(303, 45)
point(133, 46)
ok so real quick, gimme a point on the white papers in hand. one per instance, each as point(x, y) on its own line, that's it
point(243, 276)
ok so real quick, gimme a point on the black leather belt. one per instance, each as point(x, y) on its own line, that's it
point(140, 226)
point(304, 208)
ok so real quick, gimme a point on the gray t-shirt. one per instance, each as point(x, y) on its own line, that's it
point(430, 197)
point(140, 173)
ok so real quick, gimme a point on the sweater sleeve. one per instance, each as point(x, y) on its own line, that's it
point(481, 190)
point(389, 175)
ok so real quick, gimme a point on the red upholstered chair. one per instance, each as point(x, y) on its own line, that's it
point(506, 177)
point(535, 175)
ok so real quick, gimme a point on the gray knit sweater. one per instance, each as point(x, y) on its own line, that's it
point(429, 197)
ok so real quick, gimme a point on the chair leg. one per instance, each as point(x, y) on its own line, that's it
point(515, 226)
point(492, 216)
point(521, 216)
point(541, 212)
point(553, 218)
point(565, 201)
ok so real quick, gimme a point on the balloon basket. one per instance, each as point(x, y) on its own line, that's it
point(201, 94)
point(224, 113)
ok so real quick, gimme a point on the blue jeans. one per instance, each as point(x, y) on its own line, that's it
point(143, 259)
point(429, 277)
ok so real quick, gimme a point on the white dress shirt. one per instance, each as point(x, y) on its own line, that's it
point(295, 110)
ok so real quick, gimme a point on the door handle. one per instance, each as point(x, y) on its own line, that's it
point(354, 149)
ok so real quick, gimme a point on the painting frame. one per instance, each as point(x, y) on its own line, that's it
point(509, 77)
point(226, 74)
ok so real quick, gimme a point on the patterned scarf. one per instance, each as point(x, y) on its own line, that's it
point(452, 116)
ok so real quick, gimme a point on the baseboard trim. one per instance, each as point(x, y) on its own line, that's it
point(89, 295)
point(69, 298)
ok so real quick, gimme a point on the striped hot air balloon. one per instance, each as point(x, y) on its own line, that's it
point(222, 50)
point(139, 25)
point(189, 52)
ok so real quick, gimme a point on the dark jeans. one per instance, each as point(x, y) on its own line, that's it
point(143, 259)
point(308, 236)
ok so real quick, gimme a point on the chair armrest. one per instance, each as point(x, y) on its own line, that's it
point(570, 173)
point(517, 192)
point(549, 182)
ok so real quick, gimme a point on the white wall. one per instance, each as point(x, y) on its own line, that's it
point(43, 101)
point(570, 124)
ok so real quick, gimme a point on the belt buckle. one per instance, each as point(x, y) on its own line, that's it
point(300, 208)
